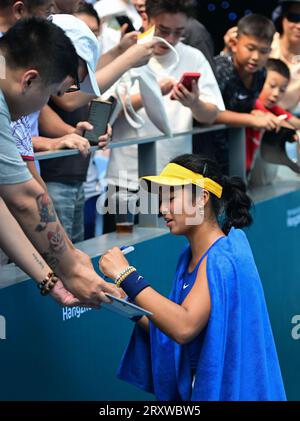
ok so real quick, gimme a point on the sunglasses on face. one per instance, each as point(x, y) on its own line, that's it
point(75, 87)
point(293, 17)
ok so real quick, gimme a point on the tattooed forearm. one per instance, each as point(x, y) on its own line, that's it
point(57, 240)
point(52, 261)
point(38, 261)
point(46, 211)
point(57, 244)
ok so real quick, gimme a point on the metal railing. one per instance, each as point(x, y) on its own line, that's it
point(149, 225)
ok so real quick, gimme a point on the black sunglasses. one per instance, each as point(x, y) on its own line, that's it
point(293, 17)
point(75, 87)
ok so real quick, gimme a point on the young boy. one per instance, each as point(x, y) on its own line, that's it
point(241, 76)
point(276, 84)
point(277, 81)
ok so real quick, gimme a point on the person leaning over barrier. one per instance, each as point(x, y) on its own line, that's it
point(211, 339)
point(28, 49)
point(242, 74)
point(10, 12)
point(285, 46)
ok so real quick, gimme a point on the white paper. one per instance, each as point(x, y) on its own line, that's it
point(124, 308)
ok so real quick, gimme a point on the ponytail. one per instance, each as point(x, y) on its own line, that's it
point(236, 204)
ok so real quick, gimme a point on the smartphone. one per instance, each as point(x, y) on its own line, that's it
point(187, 79)
point(114, 102)
point(99, 115)
point(125, 19)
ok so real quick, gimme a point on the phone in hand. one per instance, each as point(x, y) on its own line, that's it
point(187, 79)
point(125, 19)
point(99, 115)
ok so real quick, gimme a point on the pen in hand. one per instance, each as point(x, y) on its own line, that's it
point(125, 250)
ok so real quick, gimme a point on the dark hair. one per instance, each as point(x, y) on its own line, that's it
point(235, 203)
point(39, 44)
point(156, 7)
point(280, 12)
point(257, 26)
point(29, 4)
point(88, 9)
point(278, 66)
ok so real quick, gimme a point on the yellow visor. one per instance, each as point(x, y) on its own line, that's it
point(176, 175)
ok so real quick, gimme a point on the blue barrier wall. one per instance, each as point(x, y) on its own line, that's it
point(275, 240)
point(48, 356)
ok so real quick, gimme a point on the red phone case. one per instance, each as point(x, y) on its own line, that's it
point(187, 78)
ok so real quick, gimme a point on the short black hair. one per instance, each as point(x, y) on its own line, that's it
point(88, 9)
point(156, 7)
point(37, 43)
point(29, 4)
point(278, 66)
point(257, 26)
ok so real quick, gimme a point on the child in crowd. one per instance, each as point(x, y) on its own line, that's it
point(259, 171)
point(277, 81)
point(241, 76)
point(212, 339)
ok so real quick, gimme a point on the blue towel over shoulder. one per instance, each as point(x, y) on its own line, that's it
point(237, 360)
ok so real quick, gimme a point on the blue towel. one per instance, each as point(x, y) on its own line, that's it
point(237, 354)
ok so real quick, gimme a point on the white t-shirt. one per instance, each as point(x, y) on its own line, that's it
point(180, 117)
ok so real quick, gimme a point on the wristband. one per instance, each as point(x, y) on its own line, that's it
point(133, 284)
point(119, 279)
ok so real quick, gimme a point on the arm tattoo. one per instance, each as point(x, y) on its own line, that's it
point(57, 240)
point(52, 261)
point(46, 211)
point(38, 261)
point(57, 244)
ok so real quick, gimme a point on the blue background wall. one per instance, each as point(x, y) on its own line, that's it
point(47, 358)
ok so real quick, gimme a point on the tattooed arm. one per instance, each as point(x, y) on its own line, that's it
point(33, 209)
point(17, 246)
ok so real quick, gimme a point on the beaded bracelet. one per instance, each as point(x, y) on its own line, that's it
point(120, 278)
point(48, 283)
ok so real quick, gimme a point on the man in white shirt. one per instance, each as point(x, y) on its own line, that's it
point(203, 103)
